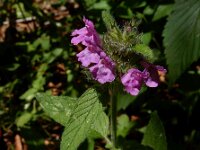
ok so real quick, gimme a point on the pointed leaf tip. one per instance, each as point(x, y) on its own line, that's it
point(154, 135)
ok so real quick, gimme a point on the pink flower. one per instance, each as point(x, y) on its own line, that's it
point(132, 81)
point(93, 56)
point(87, 57)
point(86, 34)
point(103, 71)
point(152, 76)
point(102, 67)
point(134, 78)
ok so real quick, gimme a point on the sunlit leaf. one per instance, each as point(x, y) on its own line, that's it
point(39, 82)
point(123, 125)
point(29, 94)
point(23, 119)
point(84, 114)
point(146, 38)
point(21, 11)
point(59, 108)
point(101, 124)
point(91, 144)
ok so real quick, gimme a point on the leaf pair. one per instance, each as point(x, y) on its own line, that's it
point(80, 116)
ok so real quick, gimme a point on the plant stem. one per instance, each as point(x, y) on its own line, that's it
point(113, 116)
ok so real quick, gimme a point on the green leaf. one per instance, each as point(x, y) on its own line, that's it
point(154, 135)
point(148, 10)
point(123, 125)
point(182, 36)
point(80, 117)
point(162, 11)
point(21, 11)
point(43, 41)
point(42, 69)
point(84, 114)
point(146, 38)
point(100, 125)
point(144, 50)
point(58, 108)
point(100, 5)
point(13, 67)
point(89, 3)
point(132, 145)
point(124, 100)
point(29, 94)
point(39, 82)
point(52, 55)
point(23, 119)
point(91, 144)
point(108, 20)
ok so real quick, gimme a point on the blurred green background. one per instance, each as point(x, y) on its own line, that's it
point(36, 56)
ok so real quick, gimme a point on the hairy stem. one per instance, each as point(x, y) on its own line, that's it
point(113, 116)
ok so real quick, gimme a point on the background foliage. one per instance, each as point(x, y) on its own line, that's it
point(36, 56)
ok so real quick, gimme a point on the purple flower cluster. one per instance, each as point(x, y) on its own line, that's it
point(134, 78)
point(93, 57)
point(102, 67)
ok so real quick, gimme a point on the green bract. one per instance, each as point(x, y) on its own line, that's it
point(124, 44)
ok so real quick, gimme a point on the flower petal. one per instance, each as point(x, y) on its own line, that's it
point(86, 57)
point(102, 73)
point(132, 81)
